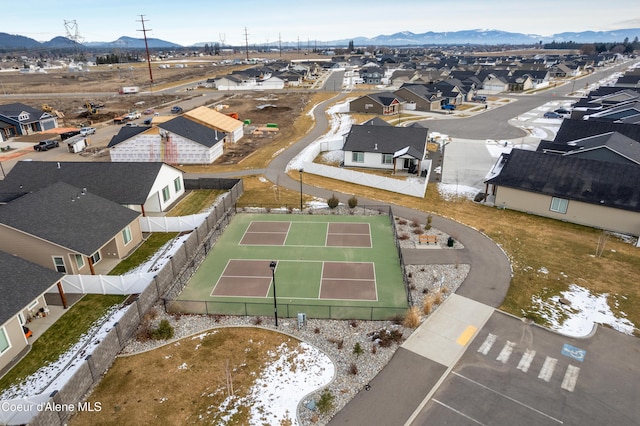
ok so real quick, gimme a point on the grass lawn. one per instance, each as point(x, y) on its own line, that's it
point(63, 334)
point(534, 245)
point(179, 383)
point(194, 202)
point(147, 249)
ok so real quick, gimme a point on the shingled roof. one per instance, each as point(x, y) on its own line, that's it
point(573, 178)
point(67, 216)
point(124, 183)
point(24, 281)
point(386, 139)
point(572, 129)
point(194, 131)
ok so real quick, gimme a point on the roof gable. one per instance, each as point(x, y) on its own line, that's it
point(67, 216)
point(193, 131)
point(385, 139)
point(214, 119)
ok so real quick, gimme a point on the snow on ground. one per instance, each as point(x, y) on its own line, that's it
point(160, 257)
point(581, 314)
point(294, 373)
point(450, 191)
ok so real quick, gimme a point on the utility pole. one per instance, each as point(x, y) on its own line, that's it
point(280, 44)
point(246, 42)
point(146, 45)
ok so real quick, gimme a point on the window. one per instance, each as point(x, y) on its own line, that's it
point(387, 158)
point(96, 257)
point(357, 157)
point(559, 205)
point(59, 263)
point(4, 341)
point(79, 261)
point(126, 235)
point(165, 193)
point(177, 183)
point(33, 305)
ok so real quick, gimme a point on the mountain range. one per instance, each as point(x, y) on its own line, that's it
point(405, 38)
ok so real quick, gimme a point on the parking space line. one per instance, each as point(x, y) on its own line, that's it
point(525, 361)
point(522, 404)
point(570, 378)
point(487, 344)
point(505, 353)
point(458, 412)
point(547, 369)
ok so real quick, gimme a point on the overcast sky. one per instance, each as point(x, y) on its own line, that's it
point(192, 21)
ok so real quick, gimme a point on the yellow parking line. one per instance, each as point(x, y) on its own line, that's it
point(466, 335)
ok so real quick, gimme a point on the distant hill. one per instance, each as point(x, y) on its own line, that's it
point(404, 38)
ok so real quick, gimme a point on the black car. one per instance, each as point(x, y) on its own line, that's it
point(562, 111)
point(176, 110)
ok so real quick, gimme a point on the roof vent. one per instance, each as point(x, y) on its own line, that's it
point(375, 147)
point(58, 164)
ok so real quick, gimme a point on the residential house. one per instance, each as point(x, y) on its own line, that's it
point(176, 141)
point(495, 84)
point(384, 103)
point(371, 75)
point(23, 286)
point(385, 147)
point(589, 192)
point(19, 119)
point(613, 147)
point(68, 229)
point(218, 121)
point(149, 187)
point(625, 113)
point(571, 129)
point(425, 97)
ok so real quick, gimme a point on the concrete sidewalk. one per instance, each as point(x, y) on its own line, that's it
point(405, 385)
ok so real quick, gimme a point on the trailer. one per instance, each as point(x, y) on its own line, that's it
point(77, 143)
point(129, 90)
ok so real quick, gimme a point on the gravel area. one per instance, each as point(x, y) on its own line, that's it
point(336, 338)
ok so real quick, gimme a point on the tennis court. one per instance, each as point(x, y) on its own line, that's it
point(323, 265)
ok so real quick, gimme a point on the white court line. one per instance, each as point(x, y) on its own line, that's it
point(487, 344)
point(525, 361)
point(547, 369)
point(458, 412)
point(570, 378)
point(508, 397)
point(505, 353)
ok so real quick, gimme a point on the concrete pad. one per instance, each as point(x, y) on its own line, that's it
point(444, 336)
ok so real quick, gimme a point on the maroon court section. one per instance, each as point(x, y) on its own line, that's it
point(348, 270)
point(348, 240)
point(258, 226)
point(348, 281)
point(247, 268)
point(348, 228)
point(348, 289)
point(242, 286)
point(264, 239)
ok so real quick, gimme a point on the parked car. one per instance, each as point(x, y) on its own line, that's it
point(148, 111)
point(551, 114)
point(148, 121)
point(479, 98)
point(131, 124)
point(45, 145)
point(176, 110)
point(133, 115)
point(448, 107)
point(562, 111)
point(87, 131)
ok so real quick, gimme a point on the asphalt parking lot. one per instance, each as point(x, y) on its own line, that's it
point(514, 373)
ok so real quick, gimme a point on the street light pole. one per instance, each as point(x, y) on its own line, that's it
point(300, 171)
point(272, 265)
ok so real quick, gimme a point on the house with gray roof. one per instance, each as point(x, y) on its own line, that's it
point(383, 103)
point(613, 147)
point(180, 140)
point(149, 187)
point(68, 229)
point(385, 147)
point(19, 119)
point(23, 287)
point(425, 97)
point(570, 188)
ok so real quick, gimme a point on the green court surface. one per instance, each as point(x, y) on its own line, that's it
point(322, 264)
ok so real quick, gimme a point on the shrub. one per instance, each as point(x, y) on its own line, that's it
point(333, 202)
point(437, 298)
point(415, 223)
point(427, 305)
point(357, 349)
point(412, 319)
point(325, 403)
point(353, 368)
point(428, 225)
point(386, 338)
point(374, 349)
point(403, 237)
point(353, 323)
point(257, 321)
point(418, 231)
point(316, 330)
point(402, 222)
point(352, 202)
point(163, 332)
point(397, 319)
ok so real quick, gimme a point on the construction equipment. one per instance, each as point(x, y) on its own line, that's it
point(46, 108)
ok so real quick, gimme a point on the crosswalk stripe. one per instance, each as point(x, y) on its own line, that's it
point(487, 344)
point(525, 361)
point(505, 353)
point(547, 369)
point(570, 378)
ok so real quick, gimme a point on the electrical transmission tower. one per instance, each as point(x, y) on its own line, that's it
point(73, 33)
